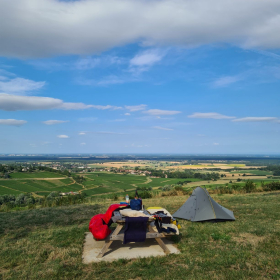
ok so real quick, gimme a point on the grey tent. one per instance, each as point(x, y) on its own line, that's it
point(202, 207)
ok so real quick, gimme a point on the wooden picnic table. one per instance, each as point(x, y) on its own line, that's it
point(116, 235)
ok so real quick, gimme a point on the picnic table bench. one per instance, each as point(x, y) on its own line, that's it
point(116, 235)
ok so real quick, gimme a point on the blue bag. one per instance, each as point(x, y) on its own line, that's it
point(136, 204)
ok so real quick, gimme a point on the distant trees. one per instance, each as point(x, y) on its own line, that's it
point(185, 174)
point(274, 168)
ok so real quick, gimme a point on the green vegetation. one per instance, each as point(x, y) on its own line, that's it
point(17, 186)
point(186, 174)
point(253, 172)
point(102, 182)
point(47, 244)
point(24, 175)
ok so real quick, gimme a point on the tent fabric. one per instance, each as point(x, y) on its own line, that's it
point(202, 207)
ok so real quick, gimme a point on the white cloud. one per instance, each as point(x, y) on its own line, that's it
point(166, 22)
point(216, 144)
point(62, 136)
point(12, 122)
point(127, 114)
point(52, 122)
point(75, 106)
point(82, 106)
point(3, 78)
point(109, 80)
point(82, 133)
point(9, 102)
point(144, 60)
point(226, 81)
point(136, 108)
point(82, 144)
point(256, 119)
point(161, 128)
point(20, 85)
point(158, 112)
point(87, 63)
point(216, 116)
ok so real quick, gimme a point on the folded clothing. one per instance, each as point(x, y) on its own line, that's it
point(153, 210)
point(174, 228)
point(164, 220)
point(116, 216)
point(132, 213)
point(135, 229)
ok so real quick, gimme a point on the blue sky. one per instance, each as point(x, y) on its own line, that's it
point(123, 88)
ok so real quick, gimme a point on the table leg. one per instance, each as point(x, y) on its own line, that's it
point(160, 242)
point(109, 242)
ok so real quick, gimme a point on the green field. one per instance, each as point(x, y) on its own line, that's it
point(43, 174)
point(22, 186)
point(103, 182)
point(47, 243)
point(254, 172)
point(95, 183)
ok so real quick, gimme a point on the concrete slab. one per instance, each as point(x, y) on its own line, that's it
point(117, 250)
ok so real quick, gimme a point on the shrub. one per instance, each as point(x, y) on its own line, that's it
point(166, 188)
point(249, 186)
point(145, 194)
point(273, 186)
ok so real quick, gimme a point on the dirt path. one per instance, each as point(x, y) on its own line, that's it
point(9, 188)
point(148, 180)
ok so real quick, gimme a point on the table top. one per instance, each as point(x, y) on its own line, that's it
point(122, 221)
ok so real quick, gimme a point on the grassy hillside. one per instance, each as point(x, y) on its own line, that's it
point(47, 244)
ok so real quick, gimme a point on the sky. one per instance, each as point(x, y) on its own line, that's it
point(138, 76)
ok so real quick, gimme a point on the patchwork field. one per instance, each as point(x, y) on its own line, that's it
point(165, 165)
point(25, 175)
point(103, 182)
point(254, 172)
point(95, 183)
point(133, 164)
point(36, 185)
point(98, 183)
point(47, 243)
point(207, 166)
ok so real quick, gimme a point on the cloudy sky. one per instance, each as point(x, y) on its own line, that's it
point(137, 76)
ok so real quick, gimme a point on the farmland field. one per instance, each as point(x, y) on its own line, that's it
point(98, 183)
point(206, 166)
point(24, 175)
point(255, 172)
point(117, 182)
point(40, 185)
point(94, 184)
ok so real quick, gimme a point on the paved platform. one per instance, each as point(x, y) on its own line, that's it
point(117, 250)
